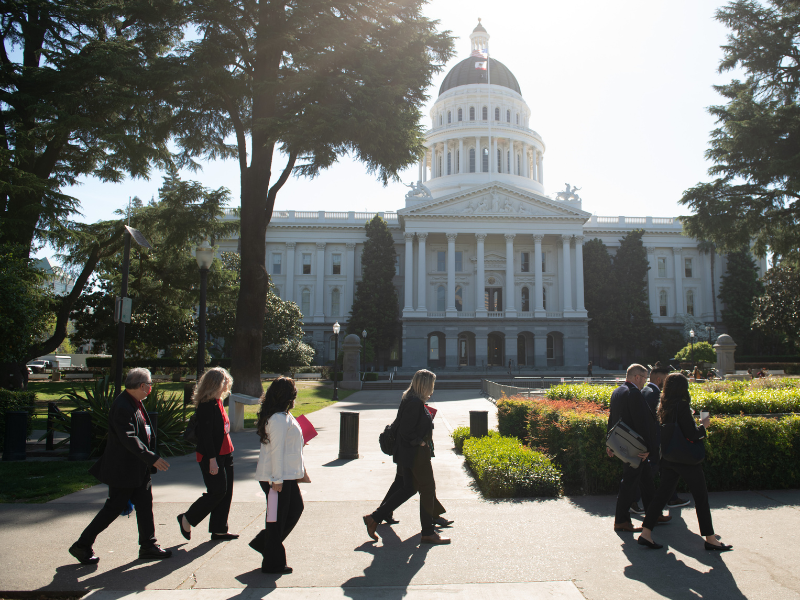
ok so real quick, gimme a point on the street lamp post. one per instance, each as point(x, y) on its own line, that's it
point(364, 357)
point(205, 256)
point(335, 360)
point(691, 337)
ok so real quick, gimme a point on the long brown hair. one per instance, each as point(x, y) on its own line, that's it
point(279, 397)
point(676, 389)
point(210, 384)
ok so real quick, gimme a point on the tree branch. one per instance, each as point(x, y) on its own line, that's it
point(273, 191)
point(238, 126)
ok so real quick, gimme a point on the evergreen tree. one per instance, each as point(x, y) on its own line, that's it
point(632, 326)
point(740, 286)
point(777, 310)
point(375, 305)
point(599, 295)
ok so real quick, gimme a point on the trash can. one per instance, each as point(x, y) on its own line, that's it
point(16, 435)
point(80, 436)
point(478, 423)
point(348, 435)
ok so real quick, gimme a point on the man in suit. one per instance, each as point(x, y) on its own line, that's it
point(629, 406)
point(125, 466)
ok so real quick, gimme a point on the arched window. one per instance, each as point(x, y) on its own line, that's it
point(449, 165)
point(690, 302)
point(335, 302)
point(434, 345)
point(517, 118)
point(471, 113)
point(508, 162)
point(551, 346)
point(526, 300)
point(439, 166)
point(305, 302)
point(449, 119)
point(508, 116)
point(662, 303)
point(519, 170)
point(544, 297)
point(440, 298)
point(499, 165)
point(460, 114)
point(485, 113)
point(485, 160)
point(459, 298)
point(458, 161)
point(496, 114)
point(472, 160)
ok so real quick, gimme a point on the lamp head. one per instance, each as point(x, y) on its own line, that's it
point(205, 255)
point(691, 333)
point(364, 333)
point(336, 328)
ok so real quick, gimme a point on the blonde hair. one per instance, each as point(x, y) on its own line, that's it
point(210, 383)
point(421, 385)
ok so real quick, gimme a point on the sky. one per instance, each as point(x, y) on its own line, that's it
point(618, 90)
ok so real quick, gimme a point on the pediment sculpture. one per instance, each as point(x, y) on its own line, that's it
point(495, 204)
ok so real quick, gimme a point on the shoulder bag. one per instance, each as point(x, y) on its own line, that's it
point(388, 437)
point(190, 434)
point(626, 444)
point(678, 449)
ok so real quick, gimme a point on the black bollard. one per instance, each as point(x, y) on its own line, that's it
point(478, 423)
point(154, 428)
point(80, 435)
point(16, 435)
point(348, 435)
point(51, 421)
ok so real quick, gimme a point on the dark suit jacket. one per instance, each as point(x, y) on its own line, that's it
point(415, 425)
point(628, 404)
point(128, 458)
point(210, 429)
point(651, 395)
point(683, 418)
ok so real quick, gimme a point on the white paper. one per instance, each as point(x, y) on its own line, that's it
point(147, 428)
point(272, 506)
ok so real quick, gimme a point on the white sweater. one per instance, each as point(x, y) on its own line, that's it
point(282, 457)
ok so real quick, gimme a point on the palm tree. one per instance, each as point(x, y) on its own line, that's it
point(707, 247)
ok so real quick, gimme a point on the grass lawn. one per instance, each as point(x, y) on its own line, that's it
point(310, 397)
point(38, 481)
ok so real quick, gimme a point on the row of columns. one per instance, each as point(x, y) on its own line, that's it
point(532, 167)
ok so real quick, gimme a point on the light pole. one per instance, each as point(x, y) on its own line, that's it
point(335, 360)
point(364, 358)
point(691, 337)
point(205, 256)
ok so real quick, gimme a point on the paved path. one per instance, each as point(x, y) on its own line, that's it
point(539, 548)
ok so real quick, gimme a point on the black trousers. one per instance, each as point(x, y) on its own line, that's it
point(696, 480)
point(654, 468)
point(632, 481)
point(142, 499)
point(290, 507)
point(420, 479)
point(397, 484)
point(216, 500)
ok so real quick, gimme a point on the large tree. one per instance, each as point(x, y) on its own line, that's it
point(287, 87)
point(756, 148)
point(740, 287)
point(777, 311)
point(598, 286)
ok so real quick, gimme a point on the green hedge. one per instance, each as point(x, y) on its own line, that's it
point(754, 401)
point(582, 392)
point(459, 435)
point(16, 401)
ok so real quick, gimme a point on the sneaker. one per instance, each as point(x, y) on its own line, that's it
point(636, 509)
point(154, 552)
point(677, 502)
point(85, 556)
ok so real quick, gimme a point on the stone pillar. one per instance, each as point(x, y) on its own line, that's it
point(510, 310)
point(565, 273)
point(422, 275)
point(351, 365)
point(480, 282)
point(289, 292)
point(510, 350)
point(540, 168)
point(319, 265)
point(451, 346)
point(679, 299)
point(460, 155)
point(495, 167)
point(651, 280)
point(579, 275)
point(525, 171)
point(534, 170)
point(350, 265)
point(725, 347)
point(539, 311)
point(540, 348)
point(408, 292)
point(451, 275)
point(481, 346)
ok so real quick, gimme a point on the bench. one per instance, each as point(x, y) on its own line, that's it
point(236, 404)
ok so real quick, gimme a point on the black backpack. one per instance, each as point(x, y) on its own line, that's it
point(388, 437)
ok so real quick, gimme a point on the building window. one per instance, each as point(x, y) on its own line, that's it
point(517, 118)
point(508, 162)
point(525, 260)
point(496, 114)
point(440, 119)
point(276, 264)
point(449, 166)
point(305, 302)
point(493, 299)
point(441, 261)
point(690, 302)
point(508, 116)
point(434, 344)
point(499, 165)
point(526, 300)
point(460, 114)
point(662, 303)
point(337, 264)
point(544, 262)
point(551, 347)
point(472, 160)
point(306, 264)
point(544, 297)
point(335, 302)
point(449, 120)
point(459, 262)
point(439, 166)
point(485, 161)
point(459, 298)
point(519, 168)
point(471, 113)
point(662, 266)
point(396, 265)
point(440, 298)
point(485, 114)
point(687, 267)
point(458, 161)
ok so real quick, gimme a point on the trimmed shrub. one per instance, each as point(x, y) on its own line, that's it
point(512, 417)
point(504, 468)
point(10, 400)
point(459, 435)
point(585, 392)
point(371, 376)
point(753, 401)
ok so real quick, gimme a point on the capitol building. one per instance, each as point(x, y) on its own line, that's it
point(489, 267)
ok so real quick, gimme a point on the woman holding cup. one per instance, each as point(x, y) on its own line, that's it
point(674, 411)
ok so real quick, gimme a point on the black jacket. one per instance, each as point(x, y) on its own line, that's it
point(652, 395)
point(210, 429)
point(415, 425)
point(628, 404)
point(128, 458)
point(682, 416)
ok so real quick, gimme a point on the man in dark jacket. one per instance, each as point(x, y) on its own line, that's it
point(628, 405)
point(125, 466)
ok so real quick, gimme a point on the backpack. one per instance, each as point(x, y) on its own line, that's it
point(388, 439)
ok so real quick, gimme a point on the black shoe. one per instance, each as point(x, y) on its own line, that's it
point(85, 556)
point(225, 536)
point(442, 522)
point(154, 552)
point(677, 502)
point(651, 545)
point(184, 533)
point(258, 542)
point(636, 509)
point(284, 570)
point(391, 521)
point(721, 548)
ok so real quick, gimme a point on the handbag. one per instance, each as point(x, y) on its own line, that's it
point(679, 450)
point(190, 434)
point(626, 444)
point(388, 439)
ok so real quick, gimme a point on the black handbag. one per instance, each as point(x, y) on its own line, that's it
point(677, 449)
point(388, 439)
point(190, 434)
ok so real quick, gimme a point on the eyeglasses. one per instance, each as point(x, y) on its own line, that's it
point(148, 383)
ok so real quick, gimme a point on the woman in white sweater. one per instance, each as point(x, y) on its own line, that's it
point(280, 467)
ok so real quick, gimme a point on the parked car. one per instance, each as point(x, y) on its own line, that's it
point(38, 366)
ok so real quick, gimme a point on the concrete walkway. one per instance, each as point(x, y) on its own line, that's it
point(510, 549)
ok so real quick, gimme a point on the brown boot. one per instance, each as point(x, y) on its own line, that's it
point(372, 525)
point(434, 539)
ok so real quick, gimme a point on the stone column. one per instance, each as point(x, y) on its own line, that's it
point(480, 281)
point(651, 280)
point(425, 165)
point(534, 170)
point(350, 265)
point(579, 275)
point(451, 275)
point(540, 168)
point(565, 273)
point(525, 169)
point(408, 284)
point(511, 311)
point(451, 346)
point(481, 346)
point(478, 154)
point(493, 162)
point(460, 155)
point(540, 347)
point(446, 156)
point(679, 299)
point(510, 350)
point(319, 265)
point(289, 293)
point(422, 274)
point(539, 311)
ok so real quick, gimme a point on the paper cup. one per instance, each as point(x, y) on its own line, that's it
point(703, 414)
